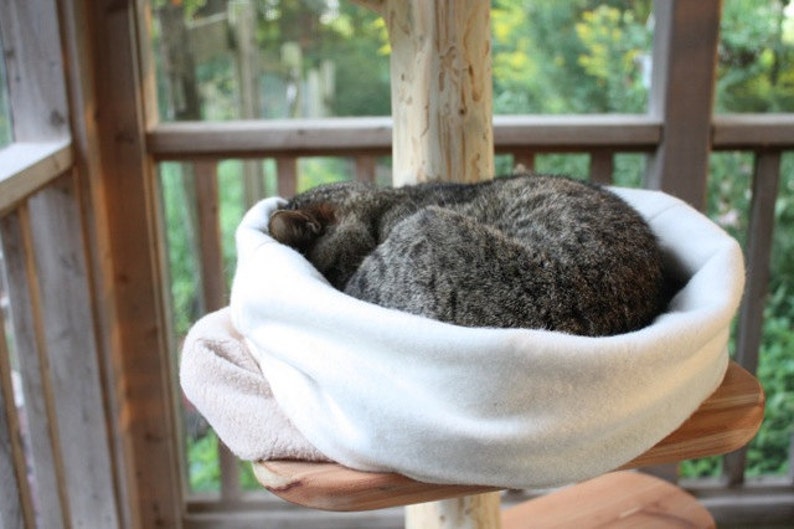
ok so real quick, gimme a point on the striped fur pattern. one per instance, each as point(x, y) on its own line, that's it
point(528, 251)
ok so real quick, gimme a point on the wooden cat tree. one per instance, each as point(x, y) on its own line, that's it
point(441, 106)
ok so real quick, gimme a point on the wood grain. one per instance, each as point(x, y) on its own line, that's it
point(620, 500)
point(725, 422)
point(441, 90)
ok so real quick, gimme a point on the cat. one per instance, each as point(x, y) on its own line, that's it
point(528, 251)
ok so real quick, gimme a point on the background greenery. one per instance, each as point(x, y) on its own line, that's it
point(575, 56)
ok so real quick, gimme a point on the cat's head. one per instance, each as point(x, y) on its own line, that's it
point(330, 226)
point(300, 228)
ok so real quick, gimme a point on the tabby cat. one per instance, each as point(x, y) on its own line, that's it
point(530, 251)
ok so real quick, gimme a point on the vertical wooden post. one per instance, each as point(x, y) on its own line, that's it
point(119, 177)
point(441, 107)
point(480, 511)
point(682, 92)
point(441, 90)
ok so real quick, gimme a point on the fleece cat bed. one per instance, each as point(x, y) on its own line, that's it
point(294, 369)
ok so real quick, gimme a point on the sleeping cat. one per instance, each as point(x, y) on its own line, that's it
point(531, 251)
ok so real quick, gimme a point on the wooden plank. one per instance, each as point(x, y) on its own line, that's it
point(332, 487)
point(766, 179)
point(728, 419)
point(753, 131)
point(365, 168)
point(77, 20)
point(344, 136)
point(686, 35)
point(261, 138)
point(24, 293)
point(67, 329)
point(620, 500)
point(35, 74)
point(16, 505)
point(26, 167)
point(577, 132)
point(291, 519)
point(602, 166)
point(287, 176)
point(121, 179)
point(213, 280)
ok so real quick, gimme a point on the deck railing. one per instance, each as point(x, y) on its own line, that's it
point(86, 386)
point(601, 138)
point(44, 250)
point(55, 452)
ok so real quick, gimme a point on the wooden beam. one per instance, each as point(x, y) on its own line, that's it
point(766, 180)
point(441, 90)
point(343, 136)
point(33, 58)
point(26, 167)
point(686, 35)
point(753, 131)
point(67, 335)
point(119, 179)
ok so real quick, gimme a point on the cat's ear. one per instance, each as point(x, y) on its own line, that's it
point(300, 228)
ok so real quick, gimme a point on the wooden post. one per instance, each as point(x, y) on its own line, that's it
point(480, 511)
point(686, 35)
point(441, 107)
point(441, 90)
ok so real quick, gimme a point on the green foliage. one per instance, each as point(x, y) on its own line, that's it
point(756, 57)
point(204, 469)
point(569, 57)
point(181, 249)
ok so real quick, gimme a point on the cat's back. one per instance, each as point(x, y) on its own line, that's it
point(589, 264)
point(561, 215)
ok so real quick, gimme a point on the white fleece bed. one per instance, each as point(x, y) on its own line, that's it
point(294, 369)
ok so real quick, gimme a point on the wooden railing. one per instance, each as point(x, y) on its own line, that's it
point(53, 324)
point(599, 137)
point(54, 448)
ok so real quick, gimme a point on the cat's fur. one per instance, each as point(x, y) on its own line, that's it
point(529, 251)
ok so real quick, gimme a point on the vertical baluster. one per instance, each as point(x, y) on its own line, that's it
point(602, 166)
point(287, 175)
point(214, 290)
point(209, 235)
point(759, 247)
point(524, 161)
point(365, 168)
point(24, 295)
